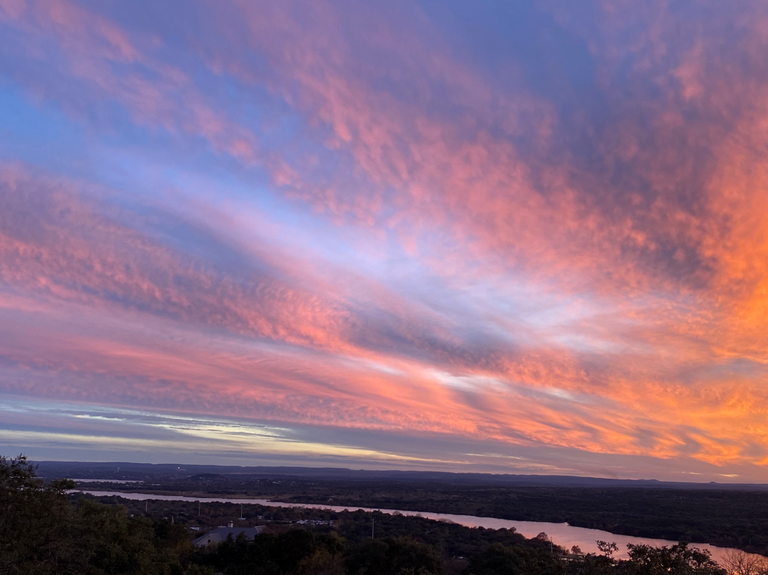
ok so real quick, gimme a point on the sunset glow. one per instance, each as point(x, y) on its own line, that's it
point(524, 237)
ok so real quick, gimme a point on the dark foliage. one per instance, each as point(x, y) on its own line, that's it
point(41, 533)
point(392, 557)
point(647, 560)
point(501, 560)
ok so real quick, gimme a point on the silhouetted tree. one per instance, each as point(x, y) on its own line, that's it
point(33, 519)
point(678, 560)
point(41, 533)
point(739, 563)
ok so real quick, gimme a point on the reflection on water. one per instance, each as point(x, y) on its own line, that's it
point(561, 533)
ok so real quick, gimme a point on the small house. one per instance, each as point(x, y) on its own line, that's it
point(220, 534)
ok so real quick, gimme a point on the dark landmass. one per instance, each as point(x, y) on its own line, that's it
point(726, 515)
point(166, 471)
point(46, 531)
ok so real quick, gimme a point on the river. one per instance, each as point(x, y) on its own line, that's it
point(560, 533)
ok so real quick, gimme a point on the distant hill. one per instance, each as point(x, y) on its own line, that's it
point(165, 471)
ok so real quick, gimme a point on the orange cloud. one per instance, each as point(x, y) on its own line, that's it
point(598, 276)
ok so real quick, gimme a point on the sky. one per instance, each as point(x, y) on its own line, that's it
point(493, 236)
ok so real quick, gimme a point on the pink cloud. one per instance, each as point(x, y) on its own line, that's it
point(665, 233)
